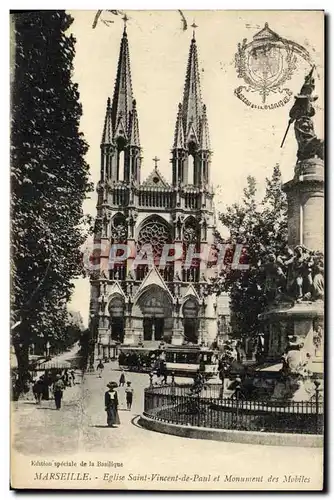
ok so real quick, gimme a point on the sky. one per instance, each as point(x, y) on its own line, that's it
point(245, 141)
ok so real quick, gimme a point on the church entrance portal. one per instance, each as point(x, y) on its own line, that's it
point(153, 328)
point(116, 312)
point(190, 321)
point(156, 308)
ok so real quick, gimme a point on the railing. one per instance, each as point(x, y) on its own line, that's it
point(177, 405)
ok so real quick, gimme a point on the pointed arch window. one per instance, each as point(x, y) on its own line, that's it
point(191, 169)
point(120, 165)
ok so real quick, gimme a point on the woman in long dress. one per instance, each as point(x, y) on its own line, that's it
point(111, 405)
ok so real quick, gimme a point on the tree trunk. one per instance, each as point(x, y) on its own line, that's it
point(21, 347)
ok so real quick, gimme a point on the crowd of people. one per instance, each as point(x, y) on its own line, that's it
point(50, 385)
point(53, 382)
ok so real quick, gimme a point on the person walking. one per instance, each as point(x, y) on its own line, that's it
point(58, 389)
point(111, 405)
point(122, 379)
point(38, 389)
point(129, 395)
point(99, 368)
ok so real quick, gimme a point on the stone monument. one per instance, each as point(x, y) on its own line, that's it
point(295, 278)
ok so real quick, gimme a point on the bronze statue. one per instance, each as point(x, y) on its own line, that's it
point(296, 275)
point(275, 279)
point(301, 114)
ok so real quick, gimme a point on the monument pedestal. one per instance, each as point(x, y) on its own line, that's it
point(300, 318)
point(305, 321)
point(305, 195)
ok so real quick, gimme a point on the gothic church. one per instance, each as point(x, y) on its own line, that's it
point(148, 304)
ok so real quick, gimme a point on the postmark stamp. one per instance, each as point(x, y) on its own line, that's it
point(266, 64)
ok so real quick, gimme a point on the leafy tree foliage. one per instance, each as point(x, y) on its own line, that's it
point(261, 227)
point(49, 179)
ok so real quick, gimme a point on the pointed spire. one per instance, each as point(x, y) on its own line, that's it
point(192, 101)
point(179, 135)
point(204, 143)
point(134, 126)
point(122, 100)
point(107, 129)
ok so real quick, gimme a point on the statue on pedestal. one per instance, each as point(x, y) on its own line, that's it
point(178, 221)
point(301, 113)
point(275, 279)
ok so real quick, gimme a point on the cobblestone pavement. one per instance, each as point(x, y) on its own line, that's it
point(80, 426)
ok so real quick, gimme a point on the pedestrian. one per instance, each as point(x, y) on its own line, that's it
point(66, 378)
point(38, 389)
point(122, 379)
point(164, 372)
point(58, 389)
point(99, 368)
point(111, 405)
point(129, 395)
point(73, 376)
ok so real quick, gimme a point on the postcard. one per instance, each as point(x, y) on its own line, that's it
point(167, 250)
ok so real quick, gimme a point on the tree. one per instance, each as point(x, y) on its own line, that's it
point(49, 179)
point(261, 227)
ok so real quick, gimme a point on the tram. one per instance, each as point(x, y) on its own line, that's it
point(187, 360)
point(182, 361)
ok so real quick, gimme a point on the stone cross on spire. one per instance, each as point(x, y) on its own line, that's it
point(125, 20)
point(194, 26)
point(156, 159)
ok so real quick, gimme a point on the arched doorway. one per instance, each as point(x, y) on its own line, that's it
point(156, 308)
point(116, 314)
point(190, 321)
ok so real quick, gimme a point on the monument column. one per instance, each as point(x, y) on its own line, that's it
point(301, 304)
point(305, 195)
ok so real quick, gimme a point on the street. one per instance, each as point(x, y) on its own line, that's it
point(80, 427)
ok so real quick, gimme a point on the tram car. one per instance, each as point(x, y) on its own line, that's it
point(185, 361)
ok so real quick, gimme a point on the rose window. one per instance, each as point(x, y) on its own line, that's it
point(155, 234)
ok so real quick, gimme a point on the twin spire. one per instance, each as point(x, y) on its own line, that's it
point(121, 121)
point(191, 129)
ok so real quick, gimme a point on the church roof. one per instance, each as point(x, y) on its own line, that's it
point(152, 278)
point(155, 180)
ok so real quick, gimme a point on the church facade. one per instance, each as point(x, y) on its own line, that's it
point(149, 284)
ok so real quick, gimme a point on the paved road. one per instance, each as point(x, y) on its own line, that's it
point(80, 427)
